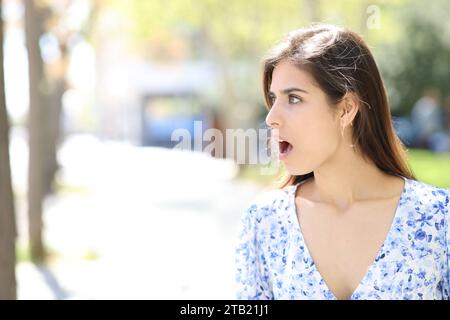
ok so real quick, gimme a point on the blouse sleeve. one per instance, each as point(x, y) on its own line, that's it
point(252, 281)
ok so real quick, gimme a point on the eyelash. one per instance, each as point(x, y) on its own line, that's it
point(272, 99)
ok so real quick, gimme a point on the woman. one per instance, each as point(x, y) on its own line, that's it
point(351, 221)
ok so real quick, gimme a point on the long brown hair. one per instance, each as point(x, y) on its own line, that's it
point(340, 62)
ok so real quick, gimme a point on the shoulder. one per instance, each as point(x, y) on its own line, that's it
point(421, 194)
point(424, 190)
point(269, 205)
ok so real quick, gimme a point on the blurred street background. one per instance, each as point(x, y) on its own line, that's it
point(105, 204)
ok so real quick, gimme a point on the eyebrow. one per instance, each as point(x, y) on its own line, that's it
point(289, 90)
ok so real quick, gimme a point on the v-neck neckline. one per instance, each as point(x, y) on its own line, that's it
point(329, 292)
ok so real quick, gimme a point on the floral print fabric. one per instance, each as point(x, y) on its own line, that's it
point(273, 262)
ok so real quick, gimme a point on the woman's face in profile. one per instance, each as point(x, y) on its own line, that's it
point(304, 119)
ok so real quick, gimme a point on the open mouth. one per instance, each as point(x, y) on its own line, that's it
point(285, 147)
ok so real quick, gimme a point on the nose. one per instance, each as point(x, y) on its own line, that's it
point(273, 118)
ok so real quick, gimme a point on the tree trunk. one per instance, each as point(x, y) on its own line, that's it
point(37, 122)
point(53, 133)
point(7, 216)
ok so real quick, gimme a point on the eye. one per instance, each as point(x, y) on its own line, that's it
point(271, 99)
point(294, 99)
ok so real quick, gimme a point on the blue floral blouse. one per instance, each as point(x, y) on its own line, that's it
point(273, 262)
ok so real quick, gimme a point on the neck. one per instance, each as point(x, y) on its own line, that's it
point(347, 178)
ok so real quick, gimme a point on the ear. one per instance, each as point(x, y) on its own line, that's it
point(349, 108)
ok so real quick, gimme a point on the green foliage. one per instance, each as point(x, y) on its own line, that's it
point(238, 28)
point(430, 167)
point(420, 58)
point(411, 47)
point(23, 254)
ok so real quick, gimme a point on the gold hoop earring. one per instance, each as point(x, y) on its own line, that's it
point(352, 145)
point(342, 129)
point(342, 134)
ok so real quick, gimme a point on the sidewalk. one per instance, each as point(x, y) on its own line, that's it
point(156, 224)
